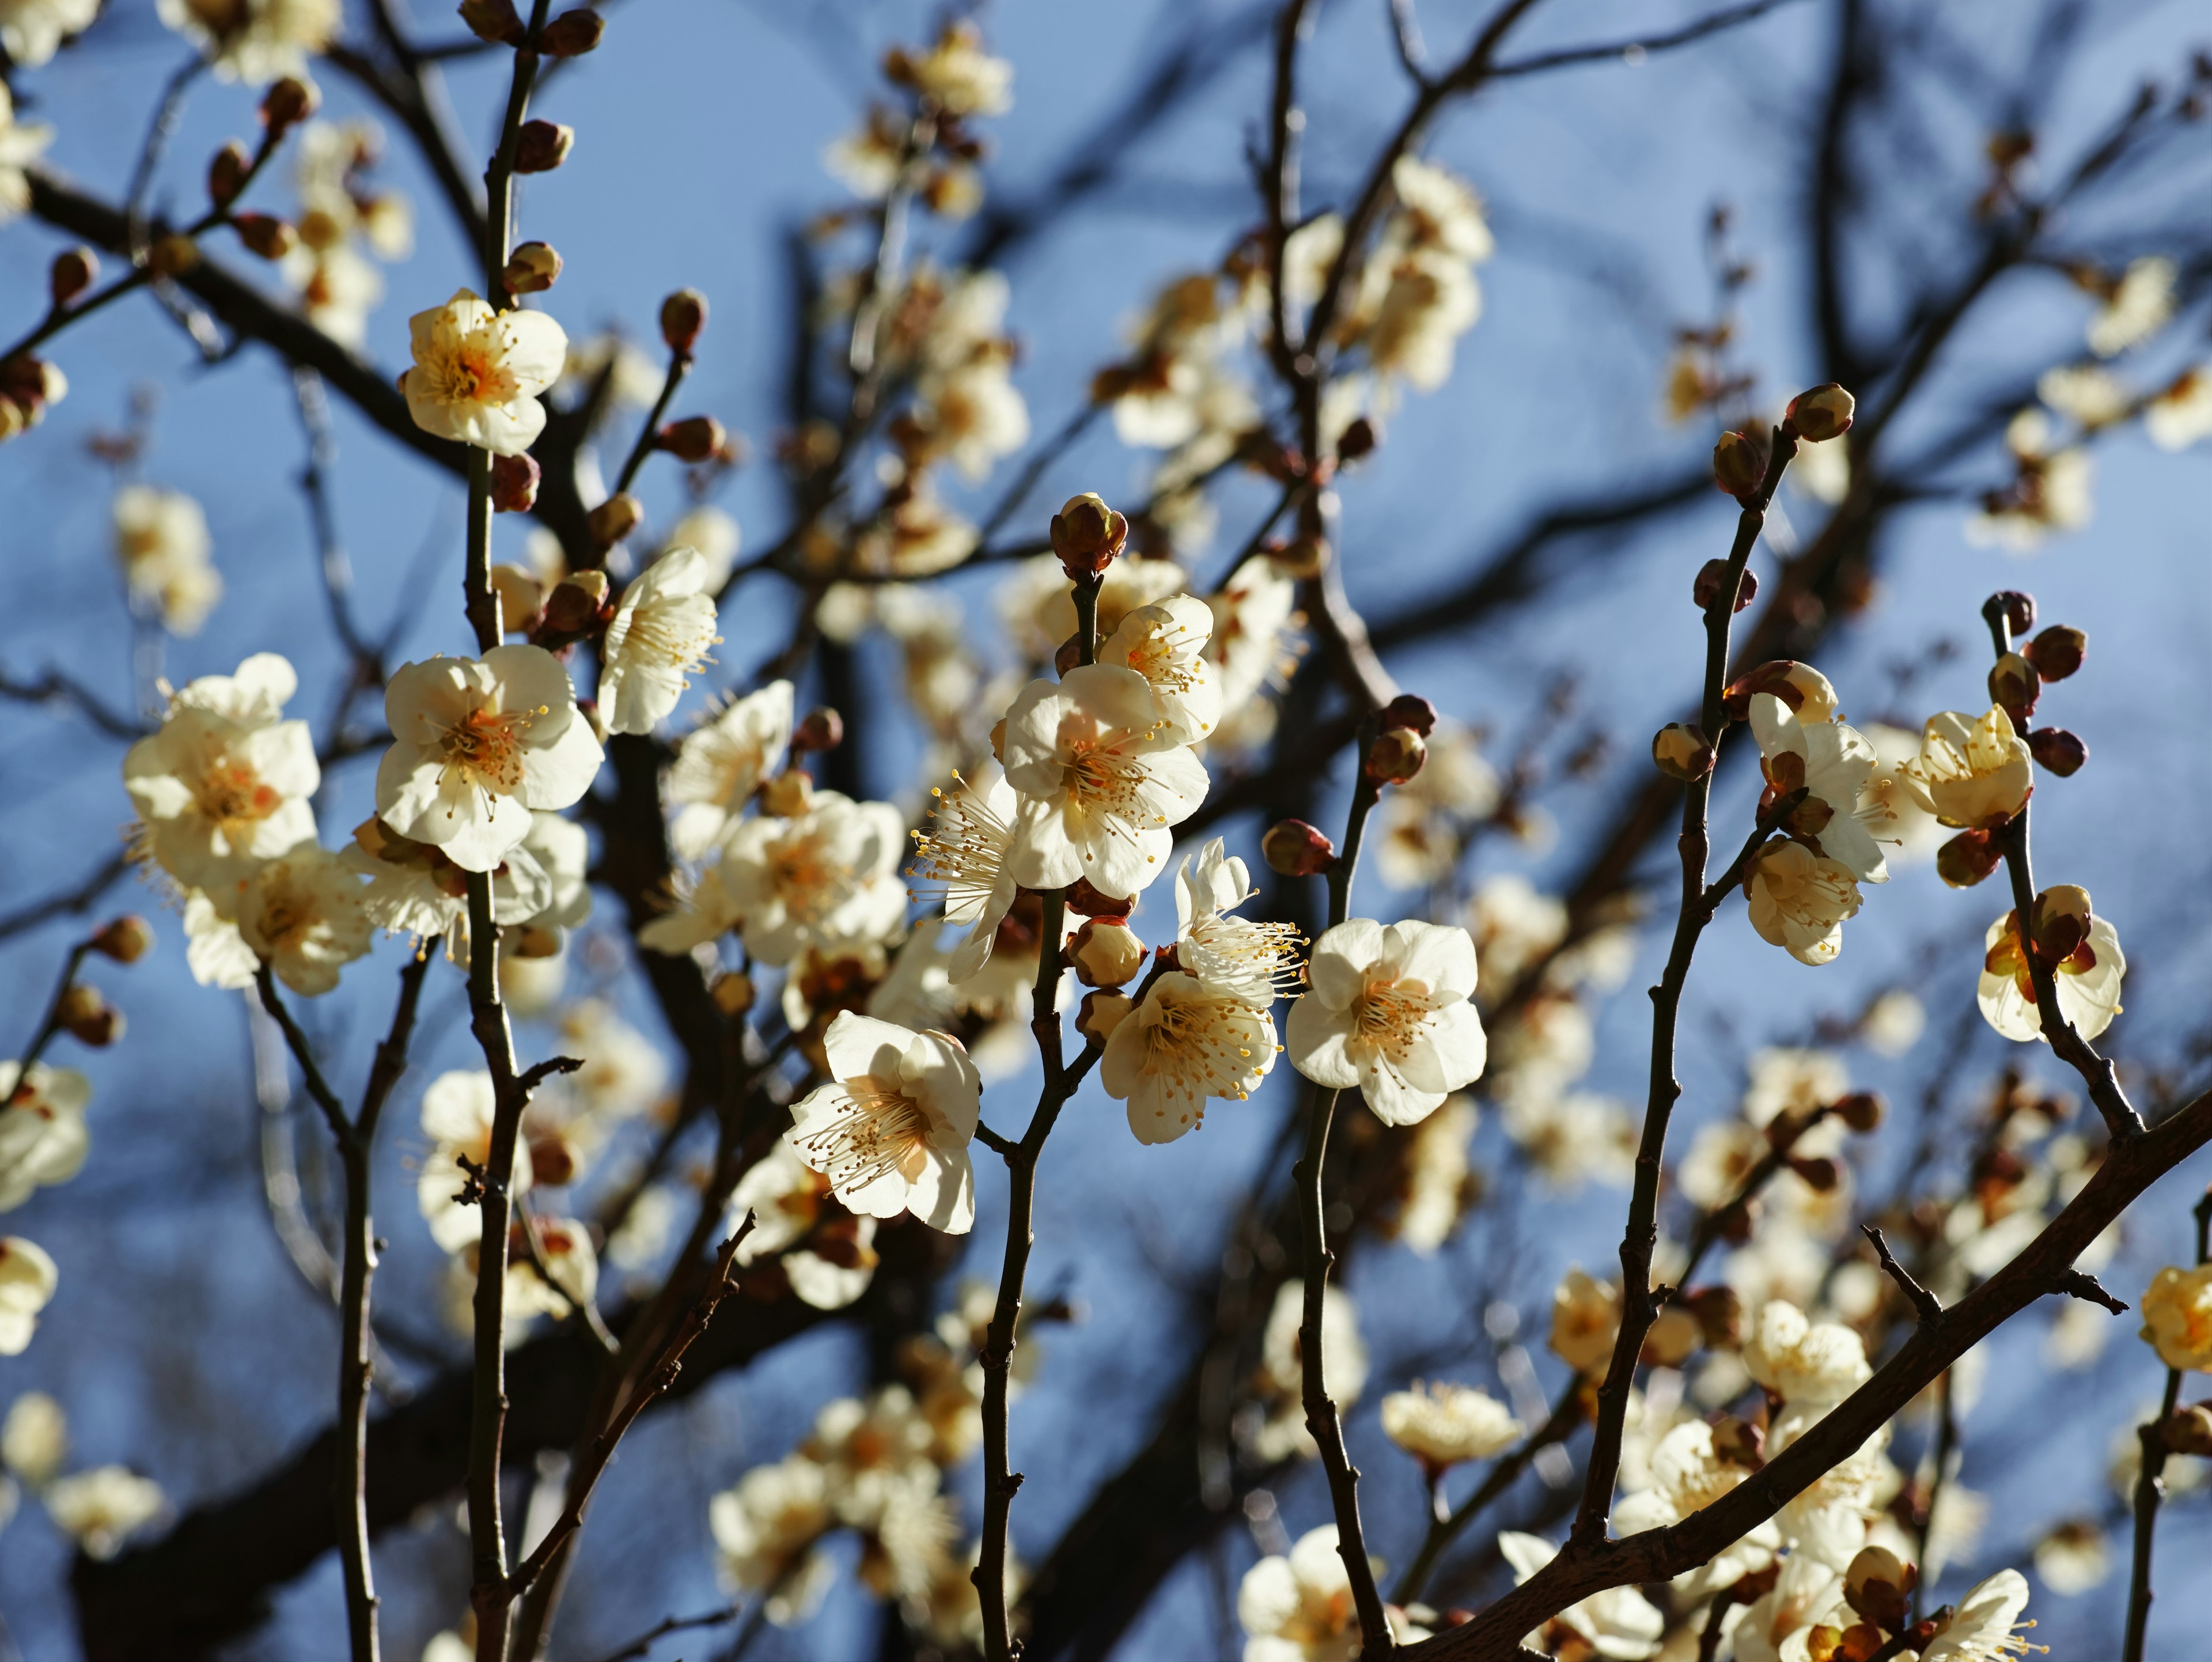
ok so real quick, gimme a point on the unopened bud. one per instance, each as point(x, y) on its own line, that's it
point(788, 795)
point(1719, 1311)
point(288, 103)
point(227, 173)
point(88, 1018)
point(514, 484)
point(821, 728)
point(1738, 1443)
point(1800, 686)
point(572, 33)
point(1820, 414)
point(2188, 1429)
point(2059, 920)
point(733, 992)
point(531, 269)
point(574, 606)
point(1087, 535)
point(1411, 711)
point(541, 146)
point(2011, 608)
point(1712, 574)
point(127, 939)
point(1876, 1585)
point(265, 234)
point(1968, 858)
point(1681, 750)
point(615, 518)
point(74, 271)
point(495, 21)
point(1102, 1012)
point(1673, 1338)
point(683, 316)
point(1396, 756)
point(1738, 467)
point(2057, 651)
point(1106, 953)
point(1086, 901)
point(693, 439)
point(1862, 1111)
point(27, 386)
point(1819, 1173)
point(2058, 750)
point(2014, 683)
point(172, 255)
point(1294, 848)
point(1355, 441)
point(1301, 557)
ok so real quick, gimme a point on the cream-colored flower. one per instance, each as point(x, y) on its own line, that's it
point(868, 1449)
point(1039, 609)
point(1620, 1623)
point(2136, 307)
point(2178, 1317)
point(43, 1139)
point(2073, 1556)
point(788, 1200)
point(1442, 1424)
point(255, 41)
point(225, 784)
point(1971, 772)
point(2181, 413)
point(1166, 642)
point(1256, 963)
point(722, 761)
point(891, 1131)
point(301, 914)
point(1280, 1383)
point(660, 633)
point(1101, 780)
point(1802, 1360)
point(415, 889)
point(1184, 1044)
point(33, 30)
point(1388, 1014)
point(1254, 615)
point(34, 1440)
point(963, 856)
point(1688, 1473)
point(1835, 765)
point(457, 1117)
point(21, 143)
point(957, 74)
point(1800, 900)
point(28, 1280)
point(477, 373)
point(826, 875)
point(338, 286)
point(101, 1508)
point(1985, 1625)
point(1778, 1627)
point(766, 1529)
point(1585, 1321)
point(1299, 1607)
point(2086, 981)
point(161, 539)
point(477, 743)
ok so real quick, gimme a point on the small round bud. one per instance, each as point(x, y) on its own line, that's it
point(788, 795)
point(1800, 686)
point(2057, 653)
point(2058, 750)
point(1089, 902)
point(127, 939)
point(1876, 1585)
point(1862, 1111)
point(2059, 920)
point(615, 518)
point(1294, 848)
point(88, 1018)
point(1087, 535)
point(821, 728)
point(683, 316)
point(693, 439)
point(514, 484)
point(1102, 1012)
point(2011, 608)
point(1411, 711)
point(1355, 441)
point(74, 271)
point(2188, 1429)
point(1738, 467)
point(1397, 755)
point(572, 33)
point(1739, 1442)
point(288, 103)
point(1301, 557)
point(576, 604)
point(1968, 858)
point(1681, 750)
point(531, 269)
point(495, 21)
point(2014, 684)
point(265, 234)
point(227, 173)
point(172, 255)
point(1106, 953)
point(1719, 1312)
point(541, 146)
point(1674, 1337)
point(1820, 1174)
point(733, 992)
point(1712, 574)
point(1820, 414)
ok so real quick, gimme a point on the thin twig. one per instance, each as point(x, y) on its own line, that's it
point(2150, 1479)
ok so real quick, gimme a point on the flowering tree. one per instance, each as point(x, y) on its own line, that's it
point(696, 1078)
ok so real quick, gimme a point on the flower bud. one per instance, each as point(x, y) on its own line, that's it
point(1294, 848)
point(1876, 1585)
point(1102, 1012)
point(1087, 535)
point(572, 33)
point(615, 518)
point(1862, 1111)
point(1088, 902)
point(733, 992)
point(2057, 651)
point(2188, 1429)
point(227, 173)
point(1800, 686)
point(2058, 750)
point(541, 146)
point(1682, 751)
point(288, 103)
point(74, 271)
point(1106, 953)
point(127, 939)
point(821, 728)
point(1301, 557)
point(265, 234)
point(1819, 1173)
point(789, 794)
point(693, 439)
point(2015, 610)
point(1719, 1311)
point(88, 1018)
point(1355, 441)
point(514, 484)
point(575, 604)
point(1820, 414)
point(495, 21)
point(531, 269)
point(1968, 858)
point(27, 386)
point(1712, 574)
point(2014, 685)
point(1738, 1443)
point(1411, 711)
point(172, 255)
point(1395, 756)
point(1738, 467)
point(683, 316)
point(2059, 921)
point(1673, 1339)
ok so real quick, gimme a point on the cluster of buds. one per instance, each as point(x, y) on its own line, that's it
point(1400, 746)
point(2022, 670)
point(1087, 537)
point(27, 387)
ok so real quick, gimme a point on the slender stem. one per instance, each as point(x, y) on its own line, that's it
point(52, 1021)
point(1946, 1444)
point(1566, 1414)
point(1086, 618)
point(660, 1629)
point(679, 365)
point(1364, 794)
point(166, 114)
point(2150, 1481)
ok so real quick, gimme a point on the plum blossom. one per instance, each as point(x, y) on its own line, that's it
point(722, 761)
point(789, 1200)
point(964, 854)
point(161, 540)
point(2087, 980)
point(1388, 1014)
point(1835, 765)
point(28, 1280)
point(301, 914)
point(1800, 900)
point(1281, 1380)
point(766, 1529)
point(415, 889)
point(1777, 1627)
point(660, 633)
point(1256, 963)
point(1184, 1044)
point(1802, 1360)
point(1984, 1625)
point(825, 874)
point(42, 1139)
point(1585, 1320)
point(1166, 642)
point(33, 30)
point(101, 1508)
point(1299, 1607)
point(1619, 1624)
point(2178, 1317)
point(1971, 772)
point(457, 1117)
point(255, 41)
point(1442, 1424)
point(891, 1131)
point(477, 373)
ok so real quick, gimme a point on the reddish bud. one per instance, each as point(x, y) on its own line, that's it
point(821, 728)
point(1738, 464)
point(1294, 848)
point(88, 1018)
point(2058, 750)
point(2014, 683)
point(265, 234)
point(693, 439)
point(1681, 750)
point(288, 103)
point(227, 173)
point(1410, 711)
point(572, 33)
point(1090, 902)
point(2011, 608)
point(1357, 440)
point(2057, 653)
point(513, 483)
point(1968, 858)
point(1820, 414)
point(127, 939)
point(683, 318)
point(1712, 575)
point(1087, 535)
point(74, 271)
point(531, 269)
point(1396, 756)
point(541, 146)
point(1862, 1111)
point(495, 21)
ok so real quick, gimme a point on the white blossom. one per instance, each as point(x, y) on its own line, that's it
point(1184, 1044)
point(891, 1131)
point(766, 1529)
point(1619, 1624)
point(827, 874)
point(28, 1280)
point(161, 540)
point(33, 30)
point(477, 373)
point(660, 633)
point(964, 854)
point(255, 41)
point(1442, 1424)
point(103, 1508)
point(42, 1139)
point(1256, 963)
point(1388, 1014)
point(1166, 643)
point(457, 1116)
point(1835, 765)
point(722, 761)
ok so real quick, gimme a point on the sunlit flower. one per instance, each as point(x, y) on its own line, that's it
point(1619, 1623)
point(2073, 1556)
point(957, 73)
point(1101, 781)
point(2087, 980)
point(301, 914)
point(892, 1131)
point(1777, 1627)
point(789, 1200)
point(719, 763)
point(1834, 765)
point(477, 373)
point(1799, 900)
point(33, 30)
point(161, 540)
point(457, 1117)
point(2178, 1317)
point(963, 852)
point(1254, 614)
point(225, 784)
point(1182, 1044)
point(1388, 1014)
point(1166, 642)
point(414, 888)
point(42, 1139)
point(970, 413)
point(1688, 1472)
point(28, 1280)
point(660, 633)
point(2136, 307)
point(1802, 1360)
point(1971, 772)
point(766, 1529)
point(1256, 963)
point(1442, 1424)
point(477, 743)
point(866, 1450)
point(255, 41)
point(1039, 610)
point(826, 875)
point(1571, 1137)
point(2181, 413)
point(1984, 1627)
point(1585, 1321)
point(1299, 1607)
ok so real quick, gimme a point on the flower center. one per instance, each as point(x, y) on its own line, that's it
point(1388, 1014)
point(1190, 1037)
point(808, 879)
point(486, 747)
point(883, 1130)
point(233, 795)
point(669, 636)
point(961, 856)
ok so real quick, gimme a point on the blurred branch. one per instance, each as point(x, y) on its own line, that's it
point(53, 687)
point(81, 898)
point(1640, 46)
